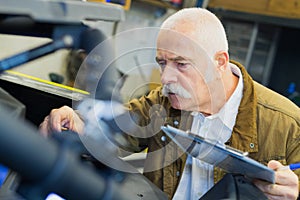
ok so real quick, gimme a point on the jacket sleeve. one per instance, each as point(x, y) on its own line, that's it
point(293, 146)
point(146, 112)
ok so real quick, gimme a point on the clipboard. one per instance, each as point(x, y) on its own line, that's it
point(227, 158)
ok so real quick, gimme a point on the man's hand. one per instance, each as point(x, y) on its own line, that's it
point(64, 118)
point(286, 183)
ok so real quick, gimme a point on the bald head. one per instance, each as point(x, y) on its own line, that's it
point(200, 25)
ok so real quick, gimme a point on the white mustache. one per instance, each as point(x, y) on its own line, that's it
point(176, 89)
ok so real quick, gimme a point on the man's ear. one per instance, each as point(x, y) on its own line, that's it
point(221, 59)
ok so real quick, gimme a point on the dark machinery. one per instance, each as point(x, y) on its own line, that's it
point(61, 164)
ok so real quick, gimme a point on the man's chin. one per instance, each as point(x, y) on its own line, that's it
point(176, 102)
point(182, 104)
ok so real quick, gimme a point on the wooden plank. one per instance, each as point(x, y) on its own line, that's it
point(289, 8)
point(276, 8)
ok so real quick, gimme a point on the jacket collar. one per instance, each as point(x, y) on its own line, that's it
point(244, 136)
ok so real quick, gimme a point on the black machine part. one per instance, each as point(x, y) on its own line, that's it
point(48, 166)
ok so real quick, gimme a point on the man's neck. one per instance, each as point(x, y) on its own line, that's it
point(230, 82)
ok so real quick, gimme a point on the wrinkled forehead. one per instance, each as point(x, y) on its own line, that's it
point(172, 44)
point(182, 44)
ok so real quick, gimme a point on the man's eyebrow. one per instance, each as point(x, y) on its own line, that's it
point(178, 58)
point(157, 59)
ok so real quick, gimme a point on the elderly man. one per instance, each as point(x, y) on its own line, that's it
point(204, 92)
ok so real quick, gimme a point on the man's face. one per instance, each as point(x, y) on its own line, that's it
point(187, 73)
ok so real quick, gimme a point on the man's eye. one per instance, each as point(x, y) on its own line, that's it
point(162, 64)
point(182, 66)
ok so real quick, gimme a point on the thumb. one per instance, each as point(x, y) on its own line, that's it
point(273, 164)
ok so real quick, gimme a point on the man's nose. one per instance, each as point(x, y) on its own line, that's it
point(169, 75)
